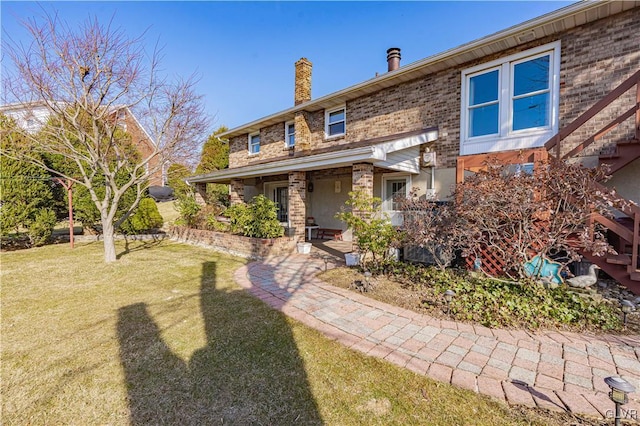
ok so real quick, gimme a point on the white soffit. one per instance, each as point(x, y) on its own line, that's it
point(378, 155)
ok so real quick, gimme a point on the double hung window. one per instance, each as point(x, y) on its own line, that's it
point(254, 143)
point(289, 134)
point(335, 122)
point(511, 103)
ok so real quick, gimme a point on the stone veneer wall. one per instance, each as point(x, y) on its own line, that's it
point(237, 245)
point(595, 58)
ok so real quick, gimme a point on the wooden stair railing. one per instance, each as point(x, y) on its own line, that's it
point(624, 266)
point(555, 143)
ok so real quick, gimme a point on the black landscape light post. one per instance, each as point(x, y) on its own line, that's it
point(627, 307)
point(620, 388)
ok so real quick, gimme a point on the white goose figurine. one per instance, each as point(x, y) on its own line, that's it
point(584, 281)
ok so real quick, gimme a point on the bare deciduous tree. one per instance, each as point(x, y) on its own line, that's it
point(83, 76)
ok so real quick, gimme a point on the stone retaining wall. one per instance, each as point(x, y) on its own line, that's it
point(238, 245)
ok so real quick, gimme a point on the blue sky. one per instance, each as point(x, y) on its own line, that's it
point(244, 52)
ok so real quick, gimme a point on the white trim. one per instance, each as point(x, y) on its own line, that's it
point(249, 144)
point(507, 138)
point(287, 135)
point(376, 154)
point(327, 114)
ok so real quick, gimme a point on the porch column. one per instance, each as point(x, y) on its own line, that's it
point(363, 178)
point(236, 191)
point(297, 208)
point(201, 193)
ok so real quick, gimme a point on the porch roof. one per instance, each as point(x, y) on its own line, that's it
point(387, 154)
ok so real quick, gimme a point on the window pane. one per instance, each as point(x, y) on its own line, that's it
point(336, 129)
point(395, 189)
point(531, 76)
point(336, 116)
point(531, 111)
point(483, 120)
point(483, 88)
point(291, 134)
point(254, 146)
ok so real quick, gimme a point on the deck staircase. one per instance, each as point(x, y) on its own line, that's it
point(624, 231)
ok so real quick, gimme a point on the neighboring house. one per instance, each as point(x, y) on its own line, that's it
point(425, 124)
point(32, 117)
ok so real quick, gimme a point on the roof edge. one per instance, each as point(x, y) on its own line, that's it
point(530, 24)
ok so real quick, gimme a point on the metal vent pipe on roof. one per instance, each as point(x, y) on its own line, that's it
point(393, 58)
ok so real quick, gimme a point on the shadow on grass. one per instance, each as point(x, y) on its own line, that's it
point(249, 372)
point(146, 244)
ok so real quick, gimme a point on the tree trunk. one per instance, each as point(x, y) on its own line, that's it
point(108, 234)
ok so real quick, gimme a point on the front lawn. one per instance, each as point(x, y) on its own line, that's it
point(164, 336)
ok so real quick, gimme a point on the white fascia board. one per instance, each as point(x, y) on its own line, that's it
point(381, 150)
point(373, 153)
point(313, 162)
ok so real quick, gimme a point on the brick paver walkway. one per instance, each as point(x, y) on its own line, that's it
point(554, 370)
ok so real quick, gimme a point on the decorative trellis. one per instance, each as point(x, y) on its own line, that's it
point(490, 263)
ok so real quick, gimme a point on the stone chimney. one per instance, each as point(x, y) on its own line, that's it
point(393, 58)
point(303, 81)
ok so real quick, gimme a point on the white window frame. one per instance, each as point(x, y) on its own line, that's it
point(327, 113)
point(287, 135)
point(249, 145)
point(506, 138)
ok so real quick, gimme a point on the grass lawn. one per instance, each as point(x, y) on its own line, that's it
point(164, 336)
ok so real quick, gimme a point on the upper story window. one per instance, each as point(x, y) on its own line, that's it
point(511, 103)
point(254, 143)
point(335, 122)
point(289, 134)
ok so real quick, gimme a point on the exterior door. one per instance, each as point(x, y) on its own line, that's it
point(281, 198)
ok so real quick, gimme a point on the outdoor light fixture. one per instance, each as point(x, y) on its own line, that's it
point(627, 307)
point(326, 261)
point(620, 388)
point(448, 297)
